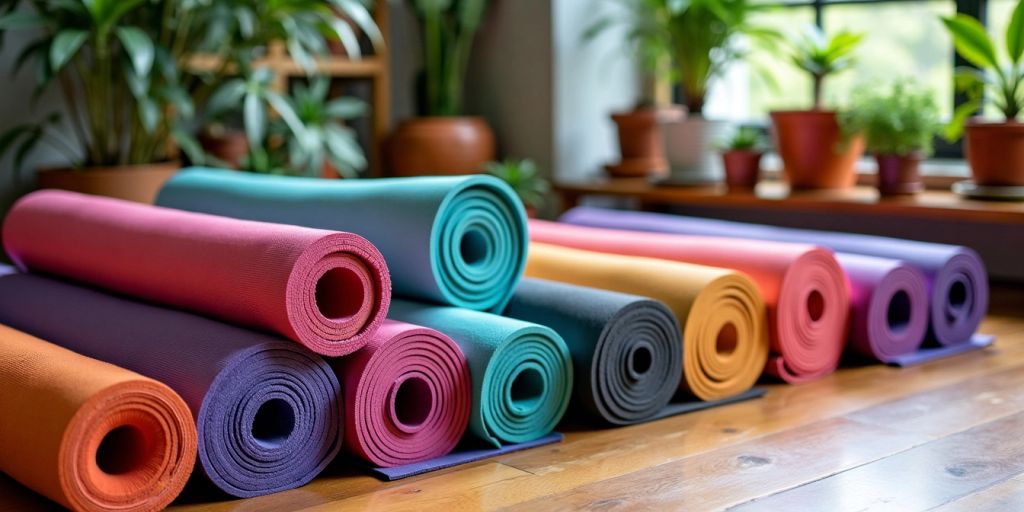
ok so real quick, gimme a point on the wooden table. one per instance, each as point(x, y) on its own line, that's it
point(777, 196)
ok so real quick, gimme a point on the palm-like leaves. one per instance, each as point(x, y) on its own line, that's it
point(822, 56)
point(449, 27)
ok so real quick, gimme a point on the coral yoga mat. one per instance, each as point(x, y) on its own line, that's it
point(522, 372)
point(268, 411)
point(89, 435)
point(724, 340)
point(956, 278)
point(407, 396)
point(328, 291)
point(803, 286)
point(457, 240)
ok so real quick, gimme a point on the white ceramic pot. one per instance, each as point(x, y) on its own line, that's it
point(690, 150)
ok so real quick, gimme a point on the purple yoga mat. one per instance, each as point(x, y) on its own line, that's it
point(461, 455)
point(956, 278)
point(268, 410)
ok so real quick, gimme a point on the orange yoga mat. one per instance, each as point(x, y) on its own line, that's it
point(725, 340)
point(89, 435)
point(803, 286)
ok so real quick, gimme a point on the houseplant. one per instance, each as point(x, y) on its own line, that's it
point(898, 123)
point(525, 178)
point(994, 150)
point(442, 140)
point(809, 141)
point(741, 157)
point(122, 69)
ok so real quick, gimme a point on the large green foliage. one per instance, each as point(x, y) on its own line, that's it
point(896, 120)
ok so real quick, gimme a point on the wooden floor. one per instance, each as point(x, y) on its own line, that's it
point(946, 436)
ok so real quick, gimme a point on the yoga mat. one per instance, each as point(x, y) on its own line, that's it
point(268, 411)
point(725, 339)
point(328, 291)
point(626, 351)
point(928, 354)
point(803, 287)
point(87, 434)
point(456, 240)
point(461, 456)
point(956, 277)
point(522, 372)
point(407, 395)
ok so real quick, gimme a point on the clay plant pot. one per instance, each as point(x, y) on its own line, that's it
point(742, 169)
point(995, 152)
point(810, 144)
point(139, 183)
point(899, 174)
point(229, 146)
point(440, 146)
point(640, 144)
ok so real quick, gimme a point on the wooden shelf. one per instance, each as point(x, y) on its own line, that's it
point(341, 67)
point(777, 196)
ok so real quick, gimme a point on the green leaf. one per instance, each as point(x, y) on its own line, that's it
point(255, 117)
point(1015, 34)
point(65, 46)
point(287, 113)
point(471, 14)
point(345, 108)
point(190, 146)
point(955, 128)
point(227, 97)
point(21, 20)
point(971, 41)
point(362, 18)
point(149, 114)
point(139, 47)
point(8, 138)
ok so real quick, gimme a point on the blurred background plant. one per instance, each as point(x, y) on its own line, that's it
point(524, 177)
point(745, 138)
point(898, 119)
point(822, 56)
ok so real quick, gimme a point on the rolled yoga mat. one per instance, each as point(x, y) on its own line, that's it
point(87, 434)
point(803, 287)
point(456, 240)
point(407, 396)
point(956, 277)
point(268, 411)
point(326, 290)
point(725, 339)
point(522, 372)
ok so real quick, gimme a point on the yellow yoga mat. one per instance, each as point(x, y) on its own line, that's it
point(725, 336)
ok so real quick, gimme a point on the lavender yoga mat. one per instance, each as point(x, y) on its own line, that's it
point(463, 455)
point(956, 278)
point(268, 411)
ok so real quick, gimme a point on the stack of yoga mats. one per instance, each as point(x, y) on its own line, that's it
point(326, 290)
point(956, 281)
point(458, 240)
point(803, 286)
point(89, 435)
point(725, 339)
point(267, 410)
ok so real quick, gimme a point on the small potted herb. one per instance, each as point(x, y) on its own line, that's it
point(898, 124)
point(741, 155)
point(525, 178)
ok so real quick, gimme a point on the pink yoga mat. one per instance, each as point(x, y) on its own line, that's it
point(803, 286)
point(326, 290)
point(407, 395)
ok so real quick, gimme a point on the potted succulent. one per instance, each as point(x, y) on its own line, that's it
point(741, 157)
point(442, 140)
point(525, 178)
point(994, 150)
point(898, 124)
point(122, 69)
point(810, 141)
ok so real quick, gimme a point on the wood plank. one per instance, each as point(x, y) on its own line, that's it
point(1007, 495)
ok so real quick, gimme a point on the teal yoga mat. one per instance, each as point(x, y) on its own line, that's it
point(521, 372)
point(455, 240)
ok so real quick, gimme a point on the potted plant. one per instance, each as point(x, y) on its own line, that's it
point(641, 148)
point(994, 150)
point(122, 68)
point(442, 140)
point(899, 124)
point(810, 141)
point(741, 157)
point(525, 178)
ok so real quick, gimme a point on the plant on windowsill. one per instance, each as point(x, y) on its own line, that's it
point(525, 179)
point(899, 123)
point(741, 156)
point(994, 150)
point(810, 141)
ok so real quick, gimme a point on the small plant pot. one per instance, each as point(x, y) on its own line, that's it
point(995, 152)
point(810, 144)
point(742, 169)
point(640, 144)
point(440, 146)
point(899, 174)
point(139, 183)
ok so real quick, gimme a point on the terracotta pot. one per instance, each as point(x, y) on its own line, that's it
point(139, 183)
point(640, 144)
point(899, 174)
point(440, 146)
point(742, 168)
point(810, 145)
point(995, 152)
point(230, 146)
